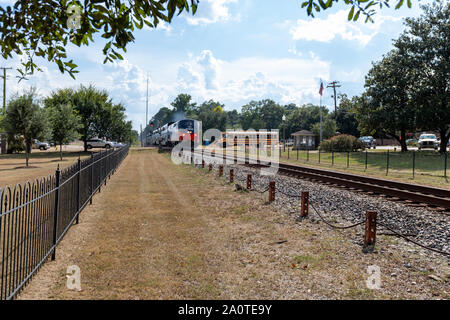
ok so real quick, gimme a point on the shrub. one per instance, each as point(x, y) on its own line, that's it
point(342, 143)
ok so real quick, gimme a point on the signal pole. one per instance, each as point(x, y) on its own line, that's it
point(334, 85)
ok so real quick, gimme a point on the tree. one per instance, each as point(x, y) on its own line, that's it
point(304, 118)
point(163, 116)
point(89, 103)
point(233, 118)
point(263, 114)
point(212, 116)
point(24, 117)
point(182, 103)
point(365, 7)
point(45, 28)
point(64, 124)
point(387, 106)
point(425, 43)
point(345, 117)
point(328, 128)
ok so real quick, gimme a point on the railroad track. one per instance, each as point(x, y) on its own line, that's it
point(433, 197)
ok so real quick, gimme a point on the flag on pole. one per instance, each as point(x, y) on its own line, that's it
point(321, 88)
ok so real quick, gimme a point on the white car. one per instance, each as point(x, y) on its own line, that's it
point(99, 143)
point(40, 145)
point(117, 144)
point(428, 141)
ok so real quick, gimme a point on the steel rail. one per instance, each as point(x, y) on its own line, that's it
point(406, 191)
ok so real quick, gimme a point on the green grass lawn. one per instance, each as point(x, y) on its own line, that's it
point(428, 165)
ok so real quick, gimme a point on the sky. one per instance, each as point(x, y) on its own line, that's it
point(232, 51)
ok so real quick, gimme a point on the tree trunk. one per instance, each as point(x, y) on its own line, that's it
point(403, 141)
point(27, 151)
point(60, 151)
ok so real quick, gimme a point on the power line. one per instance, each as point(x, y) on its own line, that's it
point(334, 85)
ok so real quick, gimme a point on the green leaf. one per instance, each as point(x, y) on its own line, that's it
point(399, 4)
point(350, 14)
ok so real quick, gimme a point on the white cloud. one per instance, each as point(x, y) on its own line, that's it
point(211, 69)
point(239, 81)
point(211, 11)
point(336, 24)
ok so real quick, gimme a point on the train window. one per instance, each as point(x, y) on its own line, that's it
point(186, 124)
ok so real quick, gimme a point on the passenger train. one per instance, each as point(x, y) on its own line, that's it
point(174, 132)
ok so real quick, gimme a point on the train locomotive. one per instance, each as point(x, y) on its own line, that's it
point(172, 133)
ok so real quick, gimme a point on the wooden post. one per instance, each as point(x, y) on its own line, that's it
point(231, 175)
point(370, 230)
point(220, 170)
point(210, 167)
point(305, 204)
point(249, 181)
point(271, 191)
point(203, 163)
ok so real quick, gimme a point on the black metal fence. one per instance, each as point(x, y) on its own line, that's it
point(409, 163)
point(36, 216)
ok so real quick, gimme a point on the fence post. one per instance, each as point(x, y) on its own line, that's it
point(220, 170)
point(288, 152)
point(56, 211)
point(387, 162)
point(348, 159)
point(203, 163)
point(106, 166)
point(297, 154)
point(370, 231)
point(414, 163)
point(100, 173)
point(305, 204)
point(332, 157)
point(271, 191)
point(307, 155)
point(210, 167)
point(92, 178)
point(249, 181)
point(231, 175)
point(366, 162)
point(78, 191)
point(319, 155)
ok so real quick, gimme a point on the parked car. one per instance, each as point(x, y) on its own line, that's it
point(117, 144)
point(369, 141)
point(40, 145)
point(428, 141)
point(99, 143)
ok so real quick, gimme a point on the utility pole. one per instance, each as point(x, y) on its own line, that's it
point(334, 85)
point(3, 142)
point(4, 88)
point(142, 141)
point(146, 106)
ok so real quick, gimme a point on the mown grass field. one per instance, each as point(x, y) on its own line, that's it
point(429, 166)
point(42, 163)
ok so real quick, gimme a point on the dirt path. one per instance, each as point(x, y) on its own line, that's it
point(160, 231)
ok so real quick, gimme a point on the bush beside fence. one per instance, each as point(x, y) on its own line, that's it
point(36, 216)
